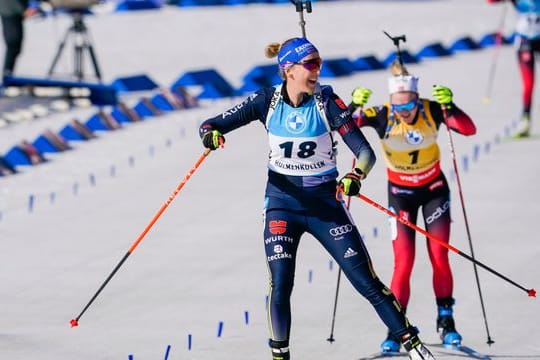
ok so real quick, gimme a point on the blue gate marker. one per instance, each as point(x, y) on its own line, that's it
point(220, 329)
point(167, 352)
point(30, 203)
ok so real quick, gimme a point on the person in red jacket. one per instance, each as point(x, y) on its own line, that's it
point(408, 126)
point(527, 30)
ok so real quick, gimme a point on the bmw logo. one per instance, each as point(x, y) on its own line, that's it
point(414, 137)
point(296, 123)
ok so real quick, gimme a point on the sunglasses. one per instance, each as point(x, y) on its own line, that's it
point(409, 106)
point(311, 64)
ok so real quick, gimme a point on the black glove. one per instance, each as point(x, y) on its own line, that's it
point(350, 184)
point(213, 139)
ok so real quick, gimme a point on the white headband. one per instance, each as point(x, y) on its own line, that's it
point(402, 83)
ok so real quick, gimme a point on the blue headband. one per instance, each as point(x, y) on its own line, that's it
point(294, 51)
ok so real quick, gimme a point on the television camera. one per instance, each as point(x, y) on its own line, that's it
point(78, 31)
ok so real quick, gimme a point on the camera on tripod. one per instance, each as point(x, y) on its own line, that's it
point(78, 33)
point(73, 5)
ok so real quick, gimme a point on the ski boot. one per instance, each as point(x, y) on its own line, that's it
point(280, 350)
point(415, 348)
point(524, 127)
point(390, 344)
point(445, 322)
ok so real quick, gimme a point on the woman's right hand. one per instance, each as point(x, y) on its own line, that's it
point(212, 139)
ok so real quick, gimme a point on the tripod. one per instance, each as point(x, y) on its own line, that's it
point(82, 43)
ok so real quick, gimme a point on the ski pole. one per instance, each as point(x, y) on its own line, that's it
point(75, 322)
point(531, 292)
point(331, 337)
point(497, 47)
point(462, 201)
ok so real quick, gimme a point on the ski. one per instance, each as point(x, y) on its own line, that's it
point(383, 355)
point(463, 349)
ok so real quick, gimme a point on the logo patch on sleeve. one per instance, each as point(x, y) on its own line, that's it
point(340, 103)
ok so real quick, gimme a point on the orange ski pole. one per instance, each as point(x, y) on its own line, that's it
point(531, 292)
point(75, 322)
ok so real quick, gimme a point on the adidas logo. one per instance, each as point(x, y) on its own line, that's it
point(350, 252)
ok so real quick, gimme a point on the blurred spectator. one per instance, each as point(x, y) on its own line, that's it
point(13, 12)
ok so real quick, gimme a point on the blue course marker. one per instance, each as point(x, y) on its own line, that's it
point(310, 276)
point(31, 203)
point(189, 341)
point(246, 317)
point(465, 162)
point(476, 152)
point(220, 329)
point(167, 351)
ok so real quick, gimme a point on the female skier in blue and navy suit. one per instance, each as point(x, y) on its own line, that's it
point(300, 117)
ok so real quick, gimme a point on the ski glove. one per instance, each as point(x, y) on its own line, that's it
point(350, 184)
point(442, 95)
point(360, 96)
point(213, 139)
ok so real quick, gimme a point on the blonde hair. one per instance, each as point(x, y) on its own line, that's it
point(397, 69)
point(272, 50)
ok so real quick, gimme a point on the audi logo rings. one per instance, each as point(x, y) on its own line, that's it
point(341, 230)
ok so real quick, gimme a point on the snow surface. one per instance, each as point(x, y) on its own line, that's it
point(203, 262)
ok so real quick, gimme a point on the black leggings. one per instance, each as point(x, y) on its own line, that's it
point(12, 28)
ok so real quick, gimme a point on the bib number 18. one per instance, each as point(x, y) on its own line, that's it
point(303, 151)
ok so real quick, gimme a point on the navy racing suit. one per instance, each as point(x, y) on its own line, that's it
point(300, 196)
